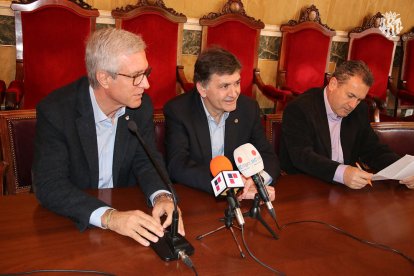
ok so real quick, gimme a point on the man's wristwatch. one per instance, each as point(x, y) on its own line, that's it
point(162, 195)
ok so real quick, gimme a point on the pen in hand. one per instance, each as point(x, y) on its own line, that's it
point(359, 167)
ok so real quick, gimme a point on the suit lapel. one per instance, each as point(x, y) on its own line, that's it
point(349, 129)
point(87, 132)
point(231, 132)
point(200, 125)
point(121, 145)
point(322, 124)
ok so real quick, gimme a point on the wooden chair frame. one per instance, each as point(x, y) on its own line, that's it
point(12, 184)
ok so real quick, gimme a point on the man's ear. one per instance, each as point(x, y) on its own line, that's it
point(103, 78)
point(333, 84)
point(201, 89)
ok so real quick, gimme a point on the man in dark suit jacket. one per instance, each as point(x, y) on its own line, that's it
point(214, 119)
point(83, 142)
point(326, 131)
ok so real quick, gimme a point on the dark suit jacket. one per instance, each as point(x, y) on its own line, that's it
point(306, 143)
point(66, 152)
point(188, 139)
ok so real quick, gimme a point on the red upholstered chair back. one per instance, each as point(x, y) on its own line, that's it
point(50, 45)
point(369, 44)
point(161, 28)
point(408, 64)
point(397, 135)
point(304, 53)
point(377, 52)
point(17, 143)
point(274, 129)
point(238, 33)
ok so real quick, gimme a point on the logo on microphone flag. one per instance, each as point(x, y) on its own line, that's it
point(233, 179)
point(218, 184)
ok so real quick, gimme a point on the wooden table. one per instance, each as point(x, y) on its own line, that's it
point(32, 237)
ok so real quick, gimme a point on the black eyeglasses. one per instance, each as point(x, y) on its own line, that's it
point(138, 78)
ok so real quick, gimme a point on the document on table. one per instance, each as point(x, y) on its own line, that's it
point(398, 170)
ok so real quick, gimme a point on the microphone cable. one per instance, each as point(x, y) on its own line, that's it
point(187, 261)
point(370, 243)
point(255, 258)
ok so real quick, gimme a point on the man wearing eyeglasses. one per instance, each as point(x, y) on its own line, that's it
point(83, 142)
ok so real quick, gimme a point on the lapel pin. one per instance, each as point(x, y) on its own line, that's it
point(236, 121)
point(127, 117)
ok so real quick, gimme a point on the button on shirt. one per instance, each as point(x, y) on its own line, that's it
point(334, 122)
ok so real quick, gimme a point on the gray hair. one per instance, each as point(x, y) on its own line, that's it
point(105, 46)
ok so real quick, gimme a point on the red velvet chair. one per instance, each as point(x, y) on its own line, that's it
point(304, 52)
point(369, 44)
point(50, 46)
point(162, 30)
point(405, 94)
point(273, 127)
point(2, 91)
point(239, 33)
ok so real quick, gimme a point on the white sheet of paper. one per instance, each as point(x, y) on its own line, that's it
point(402, 168)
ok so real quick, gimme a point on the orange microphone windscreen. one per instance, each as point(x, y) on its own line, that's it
point(220, 163)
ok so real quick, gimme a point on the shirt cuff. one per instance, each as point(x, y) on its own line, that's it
point(267, 179)
point(339, 173)
point(95, 218)
point(151, 198)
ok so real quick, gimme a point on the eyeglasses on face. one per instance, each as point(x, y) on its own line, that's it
point(138, 78)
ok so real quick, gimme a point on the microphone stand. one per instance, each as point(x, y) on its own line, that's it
point(229, 215)
point(172, 244)
point(254, 212)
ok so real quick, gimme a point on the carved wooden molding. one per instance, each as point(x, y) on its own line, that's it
point(408, 36)
point(232, 7)
point(80, 3)
point(149, 3)
point(310, 14)
point(369, 22)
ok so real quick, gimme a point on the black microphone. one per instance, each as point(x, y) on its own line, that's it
point(172, 245)
point(250, 164)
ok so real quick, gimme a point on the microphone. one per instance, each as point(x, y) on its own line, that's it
point(250, 164)
point(225, 181)
point(172, 245)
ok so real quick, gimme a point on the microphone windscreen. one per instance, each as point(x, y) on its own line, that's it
point(220, 163)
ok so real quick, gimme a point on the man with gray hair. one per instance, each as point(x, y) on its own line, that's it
point(326, 131)
point(83, 142)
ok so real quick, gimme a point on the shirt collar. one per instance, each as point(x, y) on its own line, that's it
point(98, 113)
point(329, 112)
point(211, 118)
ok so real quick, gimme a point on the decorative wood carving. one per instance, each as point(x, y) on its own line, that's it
point(80, 3)
point(148, 3)
point(233, 7)
point(408, 36)
point(369, 22)
point(310, 14)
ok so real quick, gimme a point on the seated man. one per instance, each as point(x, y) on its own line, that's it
point(214, 119)
point(83, 142)
point(326, 131)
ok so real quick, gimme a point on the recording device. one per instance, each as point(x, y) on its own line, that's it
point(225, 181)
point(172, 245)
point(250, 164)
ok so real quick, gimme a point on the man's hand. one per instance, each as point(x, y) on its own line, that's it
point(355, 178)
point(409, 182)
point(135, 224)
point(164, 206)
point(250, 190)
